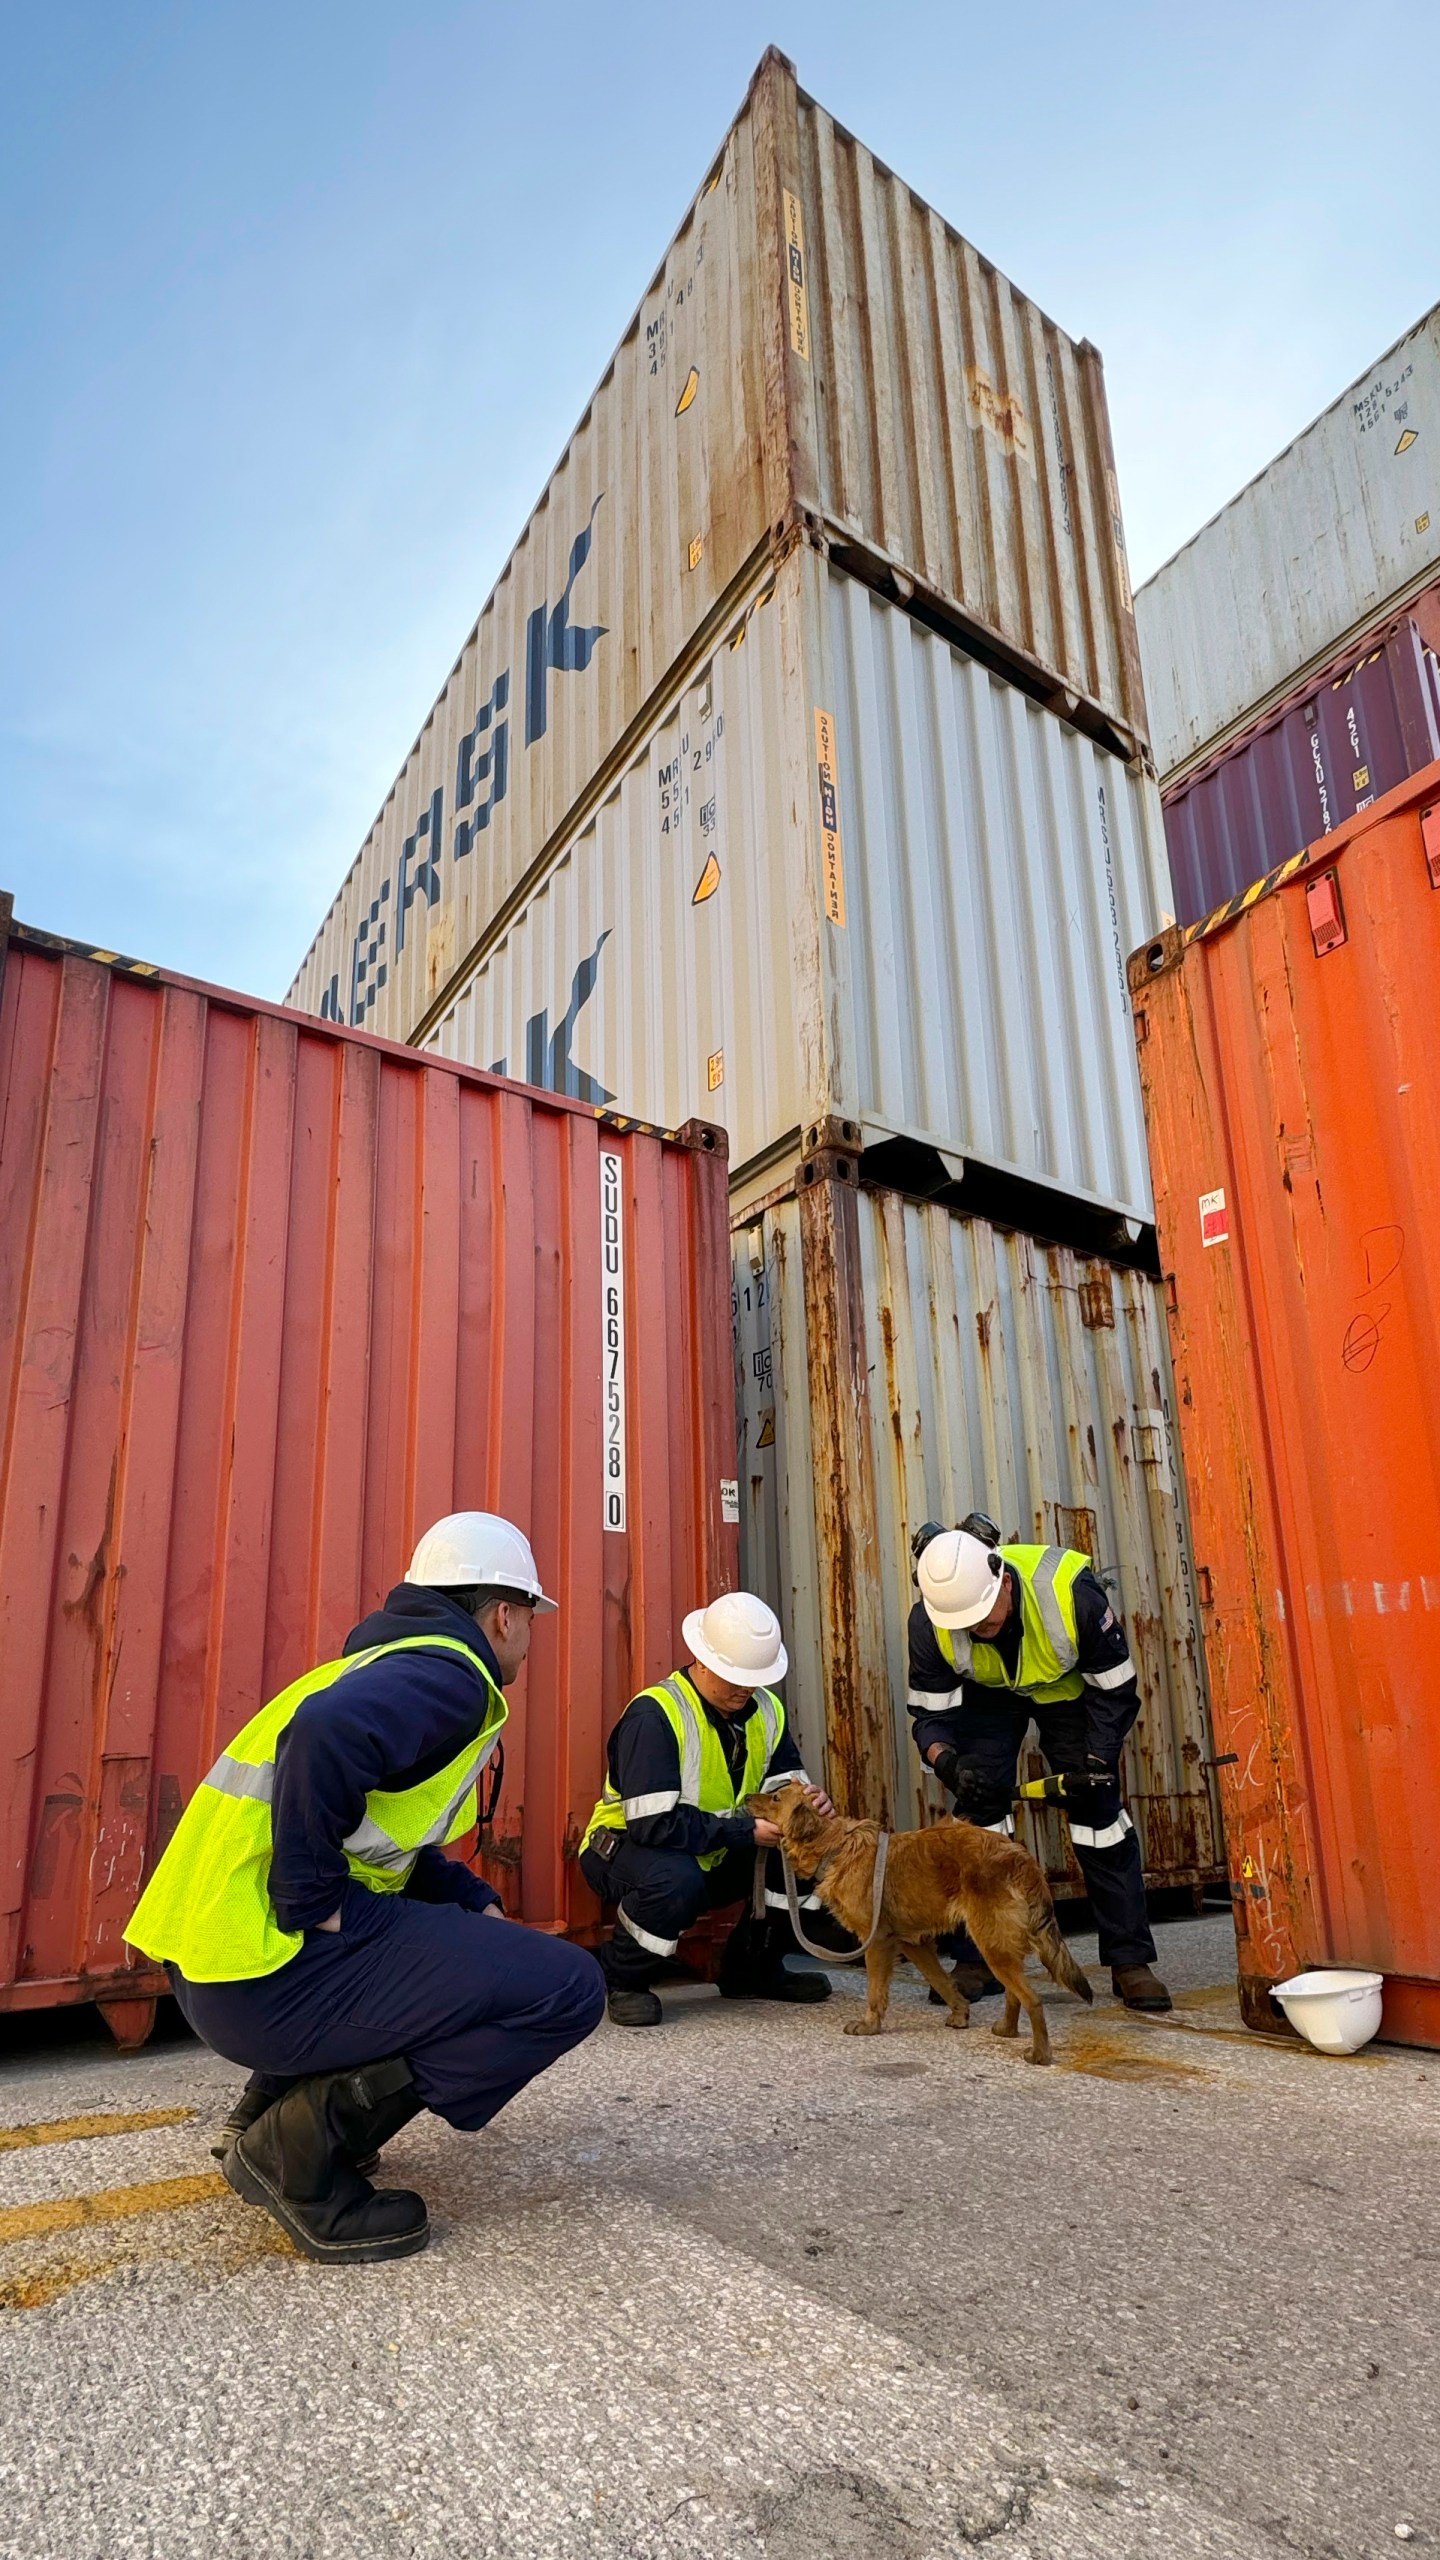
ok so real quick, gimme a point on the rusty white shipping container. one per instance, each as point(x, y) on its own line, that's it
point(898, 1362)
point(1341, 528)
point(850, 874)
point(817, 346)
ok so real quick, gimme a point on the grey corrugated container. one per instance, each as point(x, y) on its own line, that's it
point(818, 346)
point(955, 978)
point(1338, 529)
point(897, 1362)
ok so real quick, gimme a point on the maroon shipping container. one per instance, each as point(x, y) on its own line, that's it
point(1345, 739)
point(273, 1296)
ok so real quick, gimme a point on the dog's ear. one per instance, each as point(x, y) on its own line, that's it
point(805, 1821)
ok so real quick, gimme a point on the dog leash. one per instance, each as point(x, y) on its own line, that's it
point(824, 1955)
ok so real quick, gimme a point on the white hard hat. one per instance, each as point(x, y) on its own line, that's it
point(477, 1549)
point(960, 1579)
point(738, 1639)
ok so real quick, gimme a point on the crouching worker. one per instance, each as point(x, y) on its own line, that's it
point(670, 1839)
point(314, 1932)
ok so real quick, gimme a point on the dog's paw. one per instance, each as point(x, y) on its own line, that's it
point(862, 2027)
point(1033, 2056)
point(958, 2018)
point(1000, 2028)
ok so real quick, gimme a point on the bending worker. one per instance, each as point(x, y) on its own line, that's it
point(314, 1932)
point(999, 1635)
point(669, 1839)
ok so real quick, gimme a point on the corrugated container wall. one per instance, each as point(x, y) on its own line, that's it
point(1336, 747)
point(819, 347)
point(1336, 533)
point(851, 873)
point(897, 1363)
point(273, 1297)
point(1289, 1067)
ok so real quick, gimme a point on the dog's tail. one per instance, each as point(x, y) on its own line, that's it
point(1053, 1953)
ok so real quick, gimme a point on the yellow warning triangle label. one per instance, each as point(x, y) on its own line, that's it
point(767, 1430)
point(692, 385)
point(707, 884)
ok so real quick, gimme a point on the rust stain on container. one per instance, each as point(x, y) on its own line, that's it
point(1290, 1079)
point(273, 1296)
point(918, 1363)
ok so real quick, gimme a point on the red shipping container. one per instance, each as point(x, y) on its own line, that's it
point(1288, 1062)
point(273, 1296)
point(1335, 747)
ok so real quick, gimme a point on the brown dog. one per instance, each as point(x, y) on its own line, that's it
point(948, 1877)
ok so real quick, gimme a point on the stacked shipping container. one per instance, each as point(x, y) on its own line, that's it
point(1334, 748)
point(1287, 687)
point(827, 817)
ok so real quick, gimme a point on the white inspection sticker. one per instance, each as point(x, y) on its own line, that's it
point(612, 1335)
point(730, 1500)
point(1214, 1218)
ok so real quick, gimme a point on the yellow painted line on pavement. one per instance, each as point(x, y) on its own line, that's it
point(111, 2204)
point(27, 2137)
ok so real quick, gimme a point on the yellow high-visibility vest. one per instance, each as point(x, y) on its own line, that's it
point(1049, 1638)
point(207, 1907)
point(705, 1778)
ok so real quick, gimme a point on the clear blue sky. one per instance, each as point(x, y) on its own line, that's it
point(302, 301)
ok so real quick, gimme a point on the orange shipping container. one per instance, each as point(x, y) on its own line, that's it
point(1287, 1050)
point(273, 1296)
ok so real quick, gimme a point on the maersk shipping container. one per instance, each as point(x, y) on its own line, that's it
point(851, 873)
point(1359, 730)
point(818, 345)
point(273, 1297)
point(1333, 536)
point(898, 1362)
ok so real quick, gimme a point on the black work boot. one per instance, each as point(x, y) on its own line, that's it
point(636, 2007)
point(264, 2089)
point(972, 1981)
point(753, 1968)
point(297, 2162)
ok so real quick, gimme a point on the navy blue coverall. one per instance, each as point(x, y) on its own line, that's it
point(652, 1872)
point(986, 1727)
point(477, 2006)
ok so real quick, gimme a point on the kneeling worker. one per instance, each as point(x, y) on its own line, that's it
point(314, 1932)
point(1001, 1634)
point(668, 1838)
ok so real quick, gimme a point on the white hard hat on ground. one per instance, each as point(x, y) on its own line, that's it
point(738, 1639)
point(471, 1550)
point(960, 1579)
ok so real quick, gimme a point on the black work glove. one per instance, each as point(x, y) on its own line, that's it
point(966, 1785)
point(1092, 1794)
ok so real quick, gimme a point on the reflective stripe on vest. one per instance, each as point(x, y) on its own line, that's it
point(1047, 1582)
point(207, 1907)
point(690, 1727)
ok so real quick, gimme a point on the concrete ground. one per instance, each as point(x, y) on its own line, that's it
point(747, 2287)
